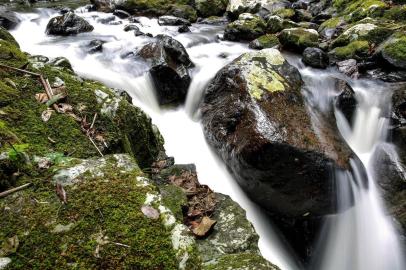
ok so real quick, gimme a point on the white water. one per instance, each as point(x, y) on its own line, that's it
point(184, 137)
point(360, 238)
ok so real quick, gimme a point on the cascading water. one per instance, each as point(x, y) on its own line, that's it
point(359, 238)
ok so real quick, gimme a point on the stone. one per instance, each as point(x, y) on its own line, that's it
point(315, 57)
point(247, 27)
point(264, 42)
point(68, 24)
point(172, 20)
point(298, 39)
point(207, 8)
point(9, 20)
point(169, 70)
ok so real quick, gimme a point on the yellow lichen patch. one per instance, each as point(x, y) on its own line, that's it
point(260, 80)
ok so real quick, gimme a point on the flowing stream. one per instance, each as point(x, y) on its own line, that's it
point(359, 238)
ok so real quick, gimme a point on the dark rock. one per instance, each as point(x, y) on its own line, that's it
point(247, 27)
point(302, 16)
point(172, 20)
point(65, 10)
point(315, 57)
point(169, 68)
point(9, 20)
point(68, 24)
point(103, 5)
point(387, 75)
point(345, 100)
point(131, 27)
point(61, 62)
point(106, 20)
point(299, 5)
point(321, 17)
point(95, 46)
point(252, 113)
point(184, 29)
point(121, 14)
point(393, 50)
point(133, 19)
point(115, 23)
point(207, 8)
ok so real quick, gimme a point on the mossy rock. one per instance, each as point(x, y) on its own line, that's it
point(264, 42)
point(207, 8)
point(359, 9)
point(393, 50)
point(276, 24)
point(247, 27)
point(355, 49)
point(396, 13)
point(298, 39)
point(183, 11)
point(149, 7)
point(101, 226)
point(244, 261)
point(6, 36)
point(285, 13)
point(122, 126)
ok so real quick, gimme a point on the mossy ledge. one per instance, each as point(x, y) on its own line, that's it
point(83, 211)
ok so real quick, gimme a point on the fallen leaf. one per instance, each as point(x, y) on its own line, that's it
point(41, 97)
point(204, 227)
point(46, 115)
point(44, 163)
point(60, 191)
point(74, 116)
point(9, 246)
point(150, 212)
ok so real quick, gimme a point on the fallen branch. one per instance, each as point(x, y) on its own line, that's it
point(94, 144)
point(13, 190)
point(121, 245)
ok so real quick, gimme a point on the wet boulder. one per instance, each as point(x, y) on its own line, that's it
point(184, 29)
point(95, 46)
point(9, 20)
point(172, 20)
point(276, 24)
point(121, 14)
point(256, 119)
point(207, 8)
point(298, 39)
point(247, 27)
point(103, 5)
point(345, 100)
point(315, 57)
point(68, 24)
point(169, 70)
point(237, 7)
point(349, 67)
point(264, 42)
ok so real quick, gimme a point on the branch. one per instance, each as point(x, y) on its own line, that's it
point(10, 191)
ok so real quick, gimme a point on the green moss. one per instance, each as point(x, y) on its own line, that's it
point(331, 23)
point(11, 54)
point(184, 11)
point(396, 13)
point(298, 38)
point(242, 261)
point(396, 48)
point(285, 13)
point(359, 9)
point(99, 209)
point(6, 36)
point(175, 199)
point(211, 8)
point(246, 27)
point(154, 7)
point(354, 49)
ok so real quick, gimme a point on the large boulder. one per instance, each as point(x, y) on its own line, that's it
point(393, 50)
point(148, 7)
point(169, 70)
point(172, 20)
point(265, 42)
point(298, 39)
point(255, 117)
point(247, 27)
point(345, 99)
point(68, 24)
point(207, 8)
point(103, 5)
point(9, 20)
point(183, 11)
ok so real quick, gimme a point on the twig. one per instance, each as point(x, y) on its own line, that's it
point(94, 120)
point(49, 87)
point(20, 70)
point(96, 146)
point(121, 245)
point(10, 191)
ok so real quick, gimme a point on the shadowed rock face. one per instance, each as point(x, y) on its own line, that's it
point(169, 68)
point(255, 117)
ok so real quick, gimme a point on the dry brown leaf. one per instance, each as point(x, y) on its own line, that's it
point(46, 115)
point(74, 116)
point(9, 246)
point(41, 97)
point(204, 227)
